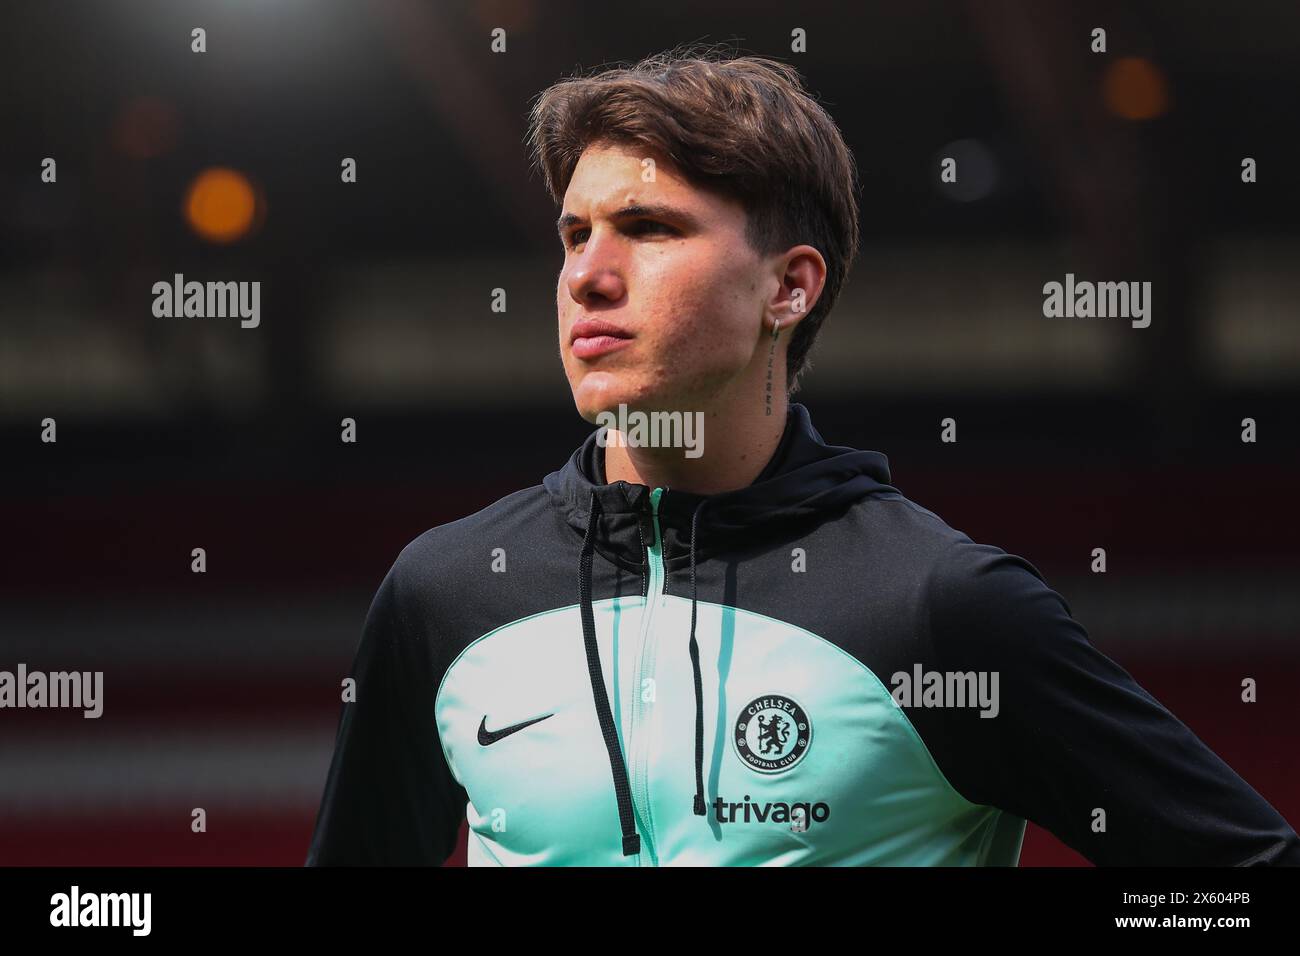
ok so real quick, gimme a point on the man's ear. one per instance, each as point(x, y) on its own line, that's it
point(801, 271)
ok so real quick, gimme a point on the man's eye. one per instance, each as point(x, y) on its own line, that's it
point(636, 228)
point(651, 225)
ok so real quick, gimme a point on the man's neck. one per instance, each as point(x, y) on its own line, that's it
point(736, 447)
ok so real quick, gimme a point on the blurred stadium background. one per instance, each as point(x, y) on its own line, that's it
point(221, 689)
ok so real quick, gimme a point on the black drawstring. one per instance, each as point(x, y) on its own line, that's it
point(622, 791)
point(699, 685)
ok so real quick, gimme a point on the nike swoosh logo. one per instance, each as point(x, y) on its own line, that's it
point(488, 737)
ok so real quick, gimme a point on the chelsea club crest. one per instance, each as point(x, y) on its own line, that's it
point(772, 733)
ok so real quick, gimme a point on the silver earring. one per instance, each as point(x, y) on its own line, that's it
point(776, 326)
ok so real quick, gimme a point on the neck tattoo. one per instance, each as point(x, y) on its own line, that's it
point(771, 355)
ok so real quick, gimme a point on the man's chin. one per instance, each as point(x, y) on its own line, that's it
point(592, 399)
point(590, 412)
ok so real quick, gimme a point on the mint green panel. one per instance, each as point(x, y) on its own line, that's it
point(829, 762)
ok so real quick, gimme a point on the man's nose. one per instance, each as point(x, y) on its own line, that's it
point(596, 272)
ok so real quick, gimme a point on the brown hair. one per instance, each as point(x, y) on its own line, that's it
point(740, 125)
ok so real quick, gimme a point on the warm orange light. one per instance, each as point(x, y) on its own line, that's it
point(1135, 89)
point(221, 205)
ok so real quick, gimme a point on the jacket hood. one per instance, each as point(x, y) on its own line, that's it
point(804, 479)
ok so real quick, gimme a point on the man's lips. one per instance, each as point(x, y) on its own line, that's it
point(591, 338)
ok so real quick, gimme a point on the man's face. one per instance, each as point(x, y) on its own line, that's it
point(661, 297)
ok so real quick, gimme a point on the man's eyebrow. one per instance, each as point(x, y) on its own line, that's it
point(568, 219)
point(635, 211)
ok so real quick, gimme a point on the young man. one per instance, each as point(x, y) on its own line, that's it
point(697, 651)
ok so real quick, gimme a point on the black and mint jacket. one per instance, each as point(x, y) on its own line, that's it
point(603, 673)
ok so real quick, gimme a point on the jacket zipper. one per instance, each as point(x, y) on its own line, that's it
point(641, 711)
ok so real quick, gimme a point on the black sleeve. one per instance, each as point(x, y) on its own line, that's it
point(390, 798)
point(1075, 732)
